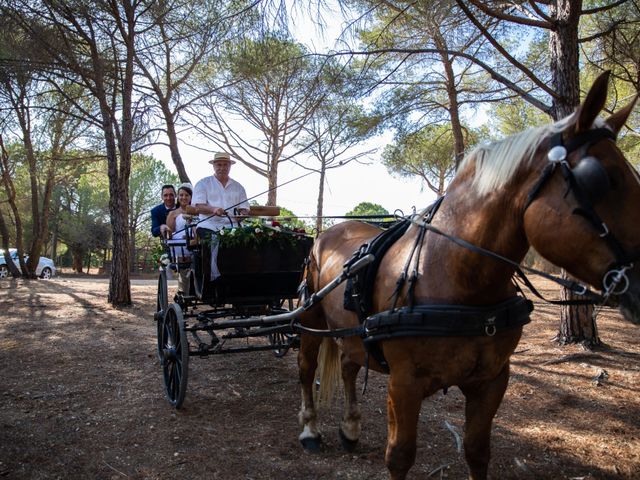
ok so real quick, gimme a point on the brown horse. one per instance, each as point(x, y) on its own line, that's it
point(576, 204)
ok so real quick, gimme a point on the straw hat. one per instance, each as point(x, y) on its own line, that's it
point(222, 156)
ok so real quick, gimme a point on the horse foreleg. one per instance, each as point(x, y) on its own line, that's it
point(482, 402)
point(307, 363)
point(350, 426)
point(403, 408)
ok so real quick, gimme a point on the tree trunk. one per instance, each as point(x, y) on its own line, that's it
point(577, 324)
point(54, 230)
point(563, 44)
point(41, 235)
point(11, 198)
point(4, 237)
point(273, 183)
point(454, 109)
point(173, 141)
point(323, 172)
point(119, 163)
point(21, 109)
point(133, 250)
point(77, 255)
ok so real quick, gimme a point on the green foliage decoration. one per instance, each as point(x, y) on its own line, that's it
point(159, 254)
point(257, 232)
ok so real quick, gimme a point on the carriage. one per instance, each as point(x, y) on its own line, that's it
point(252, 298)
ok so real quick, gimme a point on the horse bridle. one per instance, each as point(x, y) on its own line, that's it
point(589, 182)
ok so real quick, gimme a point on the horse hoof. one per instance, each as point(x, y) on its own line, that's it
point(311, 444)
point(347, 444)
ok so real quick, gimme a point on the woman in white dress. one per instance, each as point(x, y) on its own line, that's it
point(178, 226)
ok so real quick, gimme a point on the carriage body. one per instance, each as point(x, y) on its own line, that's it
point(249, 301)
point(265, 274)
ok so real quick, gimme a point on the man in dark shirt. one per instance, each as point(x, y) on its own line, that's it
point(159, 212)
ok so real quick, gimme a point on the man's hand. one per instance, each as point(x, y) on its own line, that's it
point(165, 231)
point(206, 209)
point(190, 210)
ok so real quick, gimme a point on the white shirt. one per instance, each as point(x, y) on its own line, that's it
point(210, 191)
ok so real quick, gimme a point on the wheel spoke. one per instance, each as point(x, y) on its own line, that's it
point(174, 384)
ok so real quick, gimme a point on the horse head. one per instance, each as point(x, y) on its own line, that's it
point(581, 209)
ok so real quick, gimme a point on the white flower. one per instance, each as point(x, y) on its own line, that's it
point(232, 232)
point(258, 230)
point(164, 259)
point(221, 231)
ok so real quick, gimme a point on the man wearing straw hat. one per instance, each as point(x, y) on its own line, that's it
point(213, 195)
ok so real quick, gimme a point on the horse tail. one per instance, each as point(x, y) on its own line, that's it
point(328, 372)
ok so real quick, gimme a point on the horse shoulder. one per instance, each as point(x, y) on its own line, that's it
point(338, 243)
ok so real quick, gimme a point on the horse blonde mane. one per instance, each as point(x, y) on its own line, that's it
point(497, 162)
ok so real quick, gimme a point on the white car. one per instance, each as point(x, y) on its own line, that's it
point(45, 268)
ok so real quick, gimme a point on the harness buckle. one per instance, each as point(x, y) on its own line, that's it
point(616, 282)
point(605, 230)
point(580, 290)
point(490, 326)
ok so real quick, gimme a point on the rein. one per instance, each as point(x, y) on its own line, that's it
point(575, 287)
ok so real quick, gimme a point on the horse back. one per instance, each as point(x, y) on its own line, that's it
point(335, 246)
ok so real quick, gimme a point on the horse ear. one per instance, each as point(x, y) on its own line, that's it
point(593, 104)
point(618, 119)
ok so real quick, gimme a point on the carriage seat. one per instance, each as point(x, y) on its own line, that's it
point(179, 253)
point(263, 211)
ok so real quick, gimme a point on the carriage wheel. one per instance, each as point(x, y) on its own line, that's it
point(281, 339)
point(172, 343)
point(162, 298)
point(162, 304)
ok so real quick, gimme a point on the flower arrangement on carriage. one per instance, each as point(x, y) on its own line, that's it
point(256, 232)
point(260, 244)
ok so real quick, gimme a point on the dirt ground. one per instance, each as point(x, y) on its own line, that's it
point(81, 397)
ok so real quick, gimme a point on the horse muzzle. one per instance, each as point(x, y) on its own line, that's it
point(626, 294)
